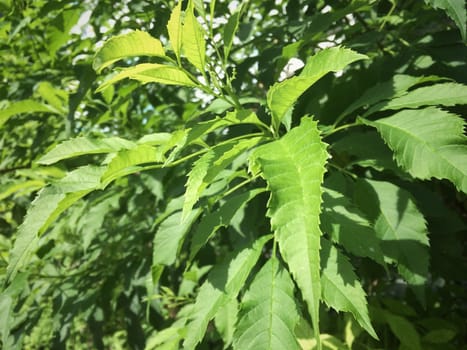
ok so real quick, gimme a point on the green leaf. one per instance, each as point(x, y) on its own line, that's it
point(427, 143)
point(26, 106)
point(221, 217)
point(209, 165)
point(454, 9)
point(268, 311)
point(401, 228)
point(230, 29)
point(151, 73)
point(174, 28)
point(340, 286)
point(445, 94)
point(84, 145)
point(347, 226)
point(50, 202)
point(170, 236)
point(128, 162)
point(136, 43)
point(193, 43)
point(294, 167)
point(226, 321)
point(404, 331)
point(281, 96)
point(223, 284)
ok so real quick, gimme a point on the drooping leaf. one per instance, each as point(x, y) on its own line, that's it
point(26, 106)
point(221, 217)
point(281, 96)
point(445, 94)
point(193, 43)
point(170, 236)
point(151, 73)
point(174, 28)
point(454, 9)
point(129, 161)
point(268, 313)
point(136, 43)
point(49, 203)
point(84, 145)
point(341, 288)
point(294, 167)
point(209, 165)
point(401, 228)
point(347, 226)
point(224, 283)
point(427, 143)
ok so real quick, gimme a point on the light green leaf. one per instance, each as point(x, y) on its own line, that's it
point(50, 202)
point(294, 167)
point(26, 106)
point(136, 43)
point(169, 237)
point(401, 228)
point(340, 286)
point(209, 165)
point(223, 284)
point(20, 188)
point(128, 162)
point(427, 143)
point(193, 43)
point(174, 28)
point(454, 9)
point(347, 226)
point(84, 145)
point(151, 73)
point(268, 311)
point(221, 217)
point(230, 29)
point(445, 94)
point(281, 96)
point(226, 321)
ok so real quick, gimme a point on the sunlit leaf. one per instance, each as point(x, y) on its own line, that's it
point(151, 73)
point(281, 96)
point(427, 143)
point(294, 167)
point(84, 145)
point(26, 106)
point(193, 43)
point(268, 311)
point(136, 43)
point(229, 32)
point(174, 28)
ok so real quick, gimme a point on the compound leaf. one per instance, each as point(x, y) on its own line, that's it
point(294, 167)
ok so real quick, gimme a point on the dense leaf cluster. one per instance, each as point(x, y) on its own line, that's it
point(169, 179)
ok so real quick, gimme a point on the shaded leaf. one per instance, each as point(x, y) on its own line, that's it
point(294, 167)
point(268, 311)
point(401, 228)
point(230, 29)
point(454, 9)
point(223, 284)
point(26, 106)
point(340, 286)
point(136, 43)
point(427, 143)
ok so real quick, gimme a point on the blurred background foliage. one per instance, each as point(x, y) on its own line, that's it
point(87, 286)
